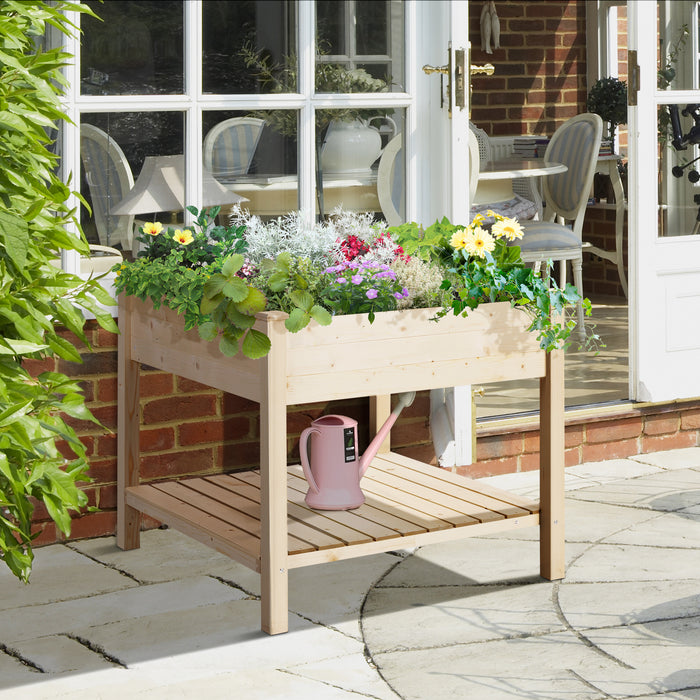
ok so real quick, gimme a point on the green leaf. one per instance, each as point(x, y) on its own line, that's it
point(15, 233)
point(321, 315)
point(235, 289)
point(254, 302)
point(207, 331)
point(9, 346)
point(213, 286)
point(298, 319)
point(302, 299)
point(238, 319)
point(255, 344)
point(232, 264)
point(228, 346)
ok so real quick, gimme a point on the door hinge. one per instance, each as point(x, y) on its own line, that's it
point(633, 78)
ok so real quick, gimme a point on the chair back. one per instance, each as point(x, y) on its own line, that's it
point(576, 144)
point(229, 146)
point(482, 139)
point(109, 179)
point(390, 182)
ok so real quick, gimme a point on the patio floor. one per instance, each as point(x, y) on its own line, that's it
point(469, 619)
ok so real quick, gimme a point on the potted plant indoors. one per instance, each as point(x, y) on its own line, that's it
point(608, 99)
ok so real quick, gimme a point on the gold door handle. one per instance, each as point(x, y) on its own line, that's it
point(486, 69)
point(429, 70)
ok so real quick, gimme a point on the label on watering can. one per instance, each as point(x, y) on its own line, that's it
point(349, 443)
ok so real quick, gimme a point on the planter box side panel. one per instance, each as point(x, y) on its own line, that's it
point(160, 340)
point(405, 350)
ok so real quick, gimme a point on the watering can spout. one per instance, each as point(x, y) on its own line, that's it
point(405, 399)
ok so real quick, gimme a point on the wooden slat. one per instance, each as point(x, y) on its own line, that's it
point(300, 514)
point(224, 538)
point(350, 518)
point(452, 489)
point(394, 515)
point(464, 482)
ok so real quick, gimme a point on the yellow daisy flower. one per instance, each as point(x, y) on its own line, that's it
point(479, 242)
point(458, 238)
point(184, 237)
point(478, 220)
point(507, 228)
point(152, 228)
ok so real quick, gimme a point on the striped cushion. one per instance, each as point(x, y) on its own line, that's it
point(546, 235)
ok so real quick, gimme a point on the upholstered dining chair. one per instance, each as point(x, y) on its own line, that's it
point(558, 237)
point(229, 146)
point(390, 182)
point(109, 178)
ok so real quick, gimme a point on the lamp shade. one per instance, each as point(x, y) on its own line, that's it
point(161, 187)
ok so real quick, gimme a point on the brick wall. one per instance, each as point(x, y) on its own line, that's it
point(540, 69)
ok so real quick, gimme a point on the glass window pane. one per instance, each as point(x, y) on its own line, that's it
point(135, 49)
point(362, 165)
point(254, 154)
point(360, 46)
point(117, 151)
point(249, 47)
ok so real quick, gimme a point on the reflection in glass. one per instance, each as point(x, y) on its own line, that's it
point(675, 69)
point(113, 148)
point(679, 177)
point(357, 42)
point(136, 48)
point(254, 154)
point(245, 40)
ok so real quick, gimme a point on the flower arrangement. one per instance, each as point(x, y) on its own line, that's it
point(220, 277)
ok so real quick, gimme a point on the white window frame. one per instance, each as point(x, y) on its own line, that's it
point(193, 103)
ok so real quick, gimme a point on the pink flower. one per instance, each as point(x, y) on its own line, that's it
point(372, 293)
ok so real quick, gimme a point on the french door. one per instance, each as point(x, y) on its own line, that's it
point(664, 203)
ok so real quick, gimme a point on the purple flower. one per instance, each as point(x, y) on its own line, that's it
point(404, 291)
point(341, 280)
point(332, 268)
point(386, 273)
point(372, 293)
point(357, 279)
point(398, 295)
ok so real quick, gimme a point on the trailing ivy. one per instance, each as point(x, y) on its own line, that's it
point(37, 299)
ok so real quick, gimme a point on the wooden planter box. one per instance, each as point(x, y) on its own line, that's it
point(259, 518)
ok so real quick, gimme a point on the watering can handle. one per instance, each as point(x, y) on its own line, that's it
point(387, 119)
point(304, 454)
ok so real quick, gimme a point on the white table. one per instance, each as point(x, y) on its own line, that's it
point(278, 194)
point(496, 177)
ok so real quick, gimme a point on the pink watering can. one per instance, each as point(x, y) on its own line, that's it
point(334, 470)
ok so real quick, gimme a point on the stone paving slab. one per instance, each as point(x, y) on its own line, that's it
point(407, 618)
point(66, 617)
point(60, 574)
point(683, 458)
point(60, 654)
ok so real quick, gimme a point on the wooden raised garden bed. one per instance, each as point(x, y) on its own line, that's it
point(259, 518)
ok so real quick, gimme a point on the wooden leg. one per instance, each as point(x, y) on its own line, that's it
point(552, 556)
point(273, 485)
point(128, 429)
point(379, 411)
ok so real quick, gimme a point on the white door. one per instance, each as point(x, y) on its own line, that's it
point(663, 208)
point(443, 152)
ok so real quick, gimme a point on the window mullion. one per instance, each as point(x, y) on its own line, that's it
point(193, 115)
point(306, 136)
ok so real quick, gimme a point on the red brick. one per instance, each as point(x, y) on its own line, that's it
point(106, 445)
point(662, 424)
point(572, 457)
point(421, 453)
point(105, 339)
point(48, 534)
point(177, 464)
point(573, 436)
point(156, 384)
point(237, 404)
point(531, 441)
point(93, 363)
point(36, 367)
point(491, 467)
point(190, 386)
point(107, 497)
point(658, 443)
point(157, 439)
point(107, 389)
point(613, 450)
point(240, 454)
point(103, 471)
point(529, 462)
point(94, 525)
point(613, 430)
point(213, 431)
point(179, 408)
point(497, 446)
point(410, 433)
point(690, 420)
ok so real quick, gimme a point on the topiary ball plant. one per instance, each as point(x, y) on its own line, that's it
point(608, 99)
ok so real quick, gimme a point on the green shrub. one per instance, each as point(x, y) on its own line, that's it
point(37, 299)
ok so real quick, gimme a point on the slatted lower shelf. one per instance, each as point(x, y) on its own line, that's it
point(407, 503)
